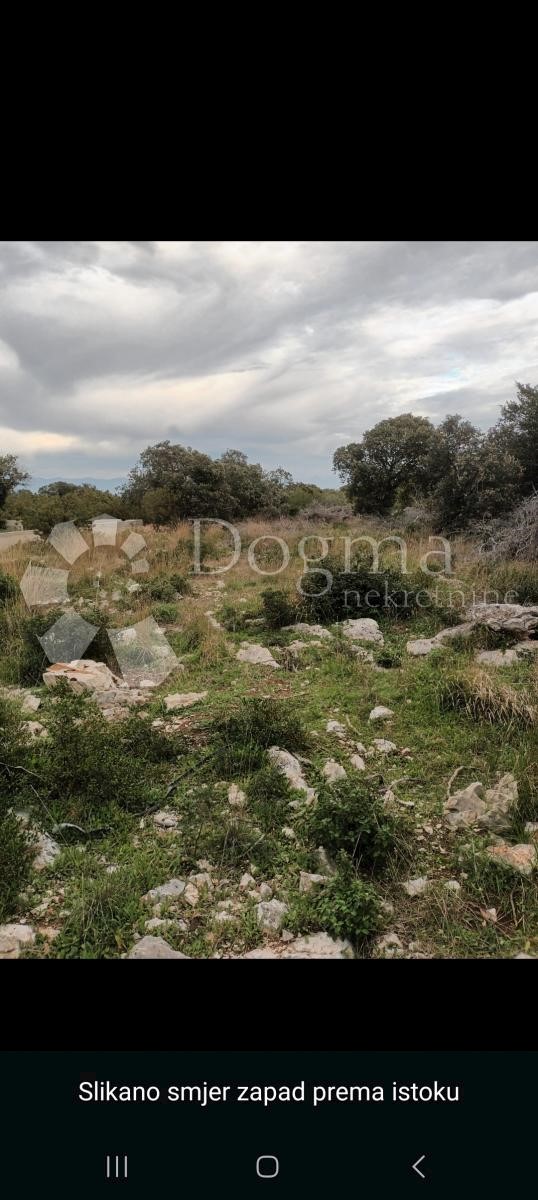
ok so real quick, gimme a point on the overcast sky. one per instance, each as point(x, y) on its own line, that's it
point(285, 350)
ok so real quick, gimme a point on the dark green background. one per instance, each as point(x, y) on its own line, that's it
point(481, 1146)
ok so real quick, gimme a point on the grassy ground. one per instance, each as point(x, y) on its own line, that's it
point(111, 778)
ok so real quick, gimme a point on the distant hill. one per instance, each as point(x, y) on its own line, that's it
point(104, 485)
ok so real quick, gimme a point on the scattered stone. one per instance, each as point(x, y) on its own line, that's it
point(154, 947)
point(246, 881)
point(531, 829)
point(202, 880)
point(191, 895)
point(363, 629)
point(526, 649)
point(418, 647)
point(289, 832)
point(31, 703)
point(512, 618)
point(223, 917)
point(14, 938)
point(387, 907)
point(166, 891)
point(183, 700)
point(332, 771)
point(318, 945)
point(489, 914)
point(522, 955)
point(389, 946)
point(363, 656)
point(326, 862)
point(35, 729)
point(316, 631)
point(166, 819)
point(82, 675)
point(490, 810)
point(520, 858)
point(309, 881)
point(290, 766)
point(380, 713)
point(337, 728)
point(270, 914)
point(236, 797)
point(383, 746)
point(46, 851)
point(259, 655)
point(358, 762)
point(452, 885)
point(265, 891)
point(497, 658)
point(416, 887)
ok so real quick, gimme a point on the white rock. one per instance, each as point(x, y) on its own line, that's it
point(82, 675)
point(265, 891)
point(270, 914)
point(31, 703)
point(317, 631)
point(380, 713)
point(236, 797)
point(364, 629)
point(154, 947)
point(421, 646)
point(166, 891)
point(332, 771)
point(389, 946)
point(191, 895)
point(358, 762)
point(383, 746)
point(519, 618)
point(14, 938)
point(202, 880)
point(497, 658)
point(452, 885)
point(308, 881)
point(166, 819)
point(416, 887)
point(290, 766)
point(259, 655)
point(246, 881)
point(337, 728)
point(46, 851)
point(318, 945)
point(183, 700)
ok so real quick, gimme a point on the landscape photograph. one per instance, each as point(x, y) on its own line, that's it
point(268, 600)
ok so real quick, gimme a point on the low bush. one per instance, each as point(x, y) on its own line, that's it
point(360, 592)
point(344, 907)
point(348, 817)
point(242, 737)
point(269, 796)
point(15, 862)
point(278, 609)
point(167, 587)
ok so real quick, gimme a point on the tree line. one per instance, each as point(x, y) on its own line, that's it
point(457, 472)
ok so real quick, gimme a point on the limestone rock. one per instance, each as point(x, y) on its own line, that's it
point(14, 938)
point(154, 947)
point(418, 647)
point(166, 819)
point(259, 655)
point(513, 618)
point(46, 851)
point(246, 881)
point(35, 729)
point(452, 885)
point(383, 746)
point(183, 700)
point(497, 658)
point(191, 895)
point(380, 713)
point(317, 631)
point(490, 810)
point(416, 887)
point(236, 797)
point(270, 914)
point(166, 891)
point(308, 881)
point(363, 629)
point(332, 771)
point(82, 675)
point(337, 728)
point(290, 766)
point(318, 945)
point(520, 858)
point(358, 762)
point(389, 946)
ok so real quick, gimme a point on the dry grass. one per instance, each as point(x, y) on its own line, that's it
point(485, 699)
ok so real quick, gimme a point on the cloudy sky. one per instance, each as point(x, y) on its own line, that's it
point(285, 350)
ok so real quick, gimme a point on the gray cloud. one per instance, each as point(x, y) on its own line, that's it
point(284, 349)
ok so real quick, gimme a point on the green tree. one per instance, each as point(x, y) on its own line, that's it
point(483, 482)
point(517, 433)
point(11, 475)
point(392, 460)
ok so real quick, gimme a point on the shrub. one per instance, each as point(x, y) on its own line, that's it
point(344, 907)
point(102, 913)
point(348, 816)
point(167, 587)
point(8, 588)
point(360, 592)
point(165, 612)
point(242, 737)
point(15, 862)
point(278, 609)
point(483, 699)
point(269, 795)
